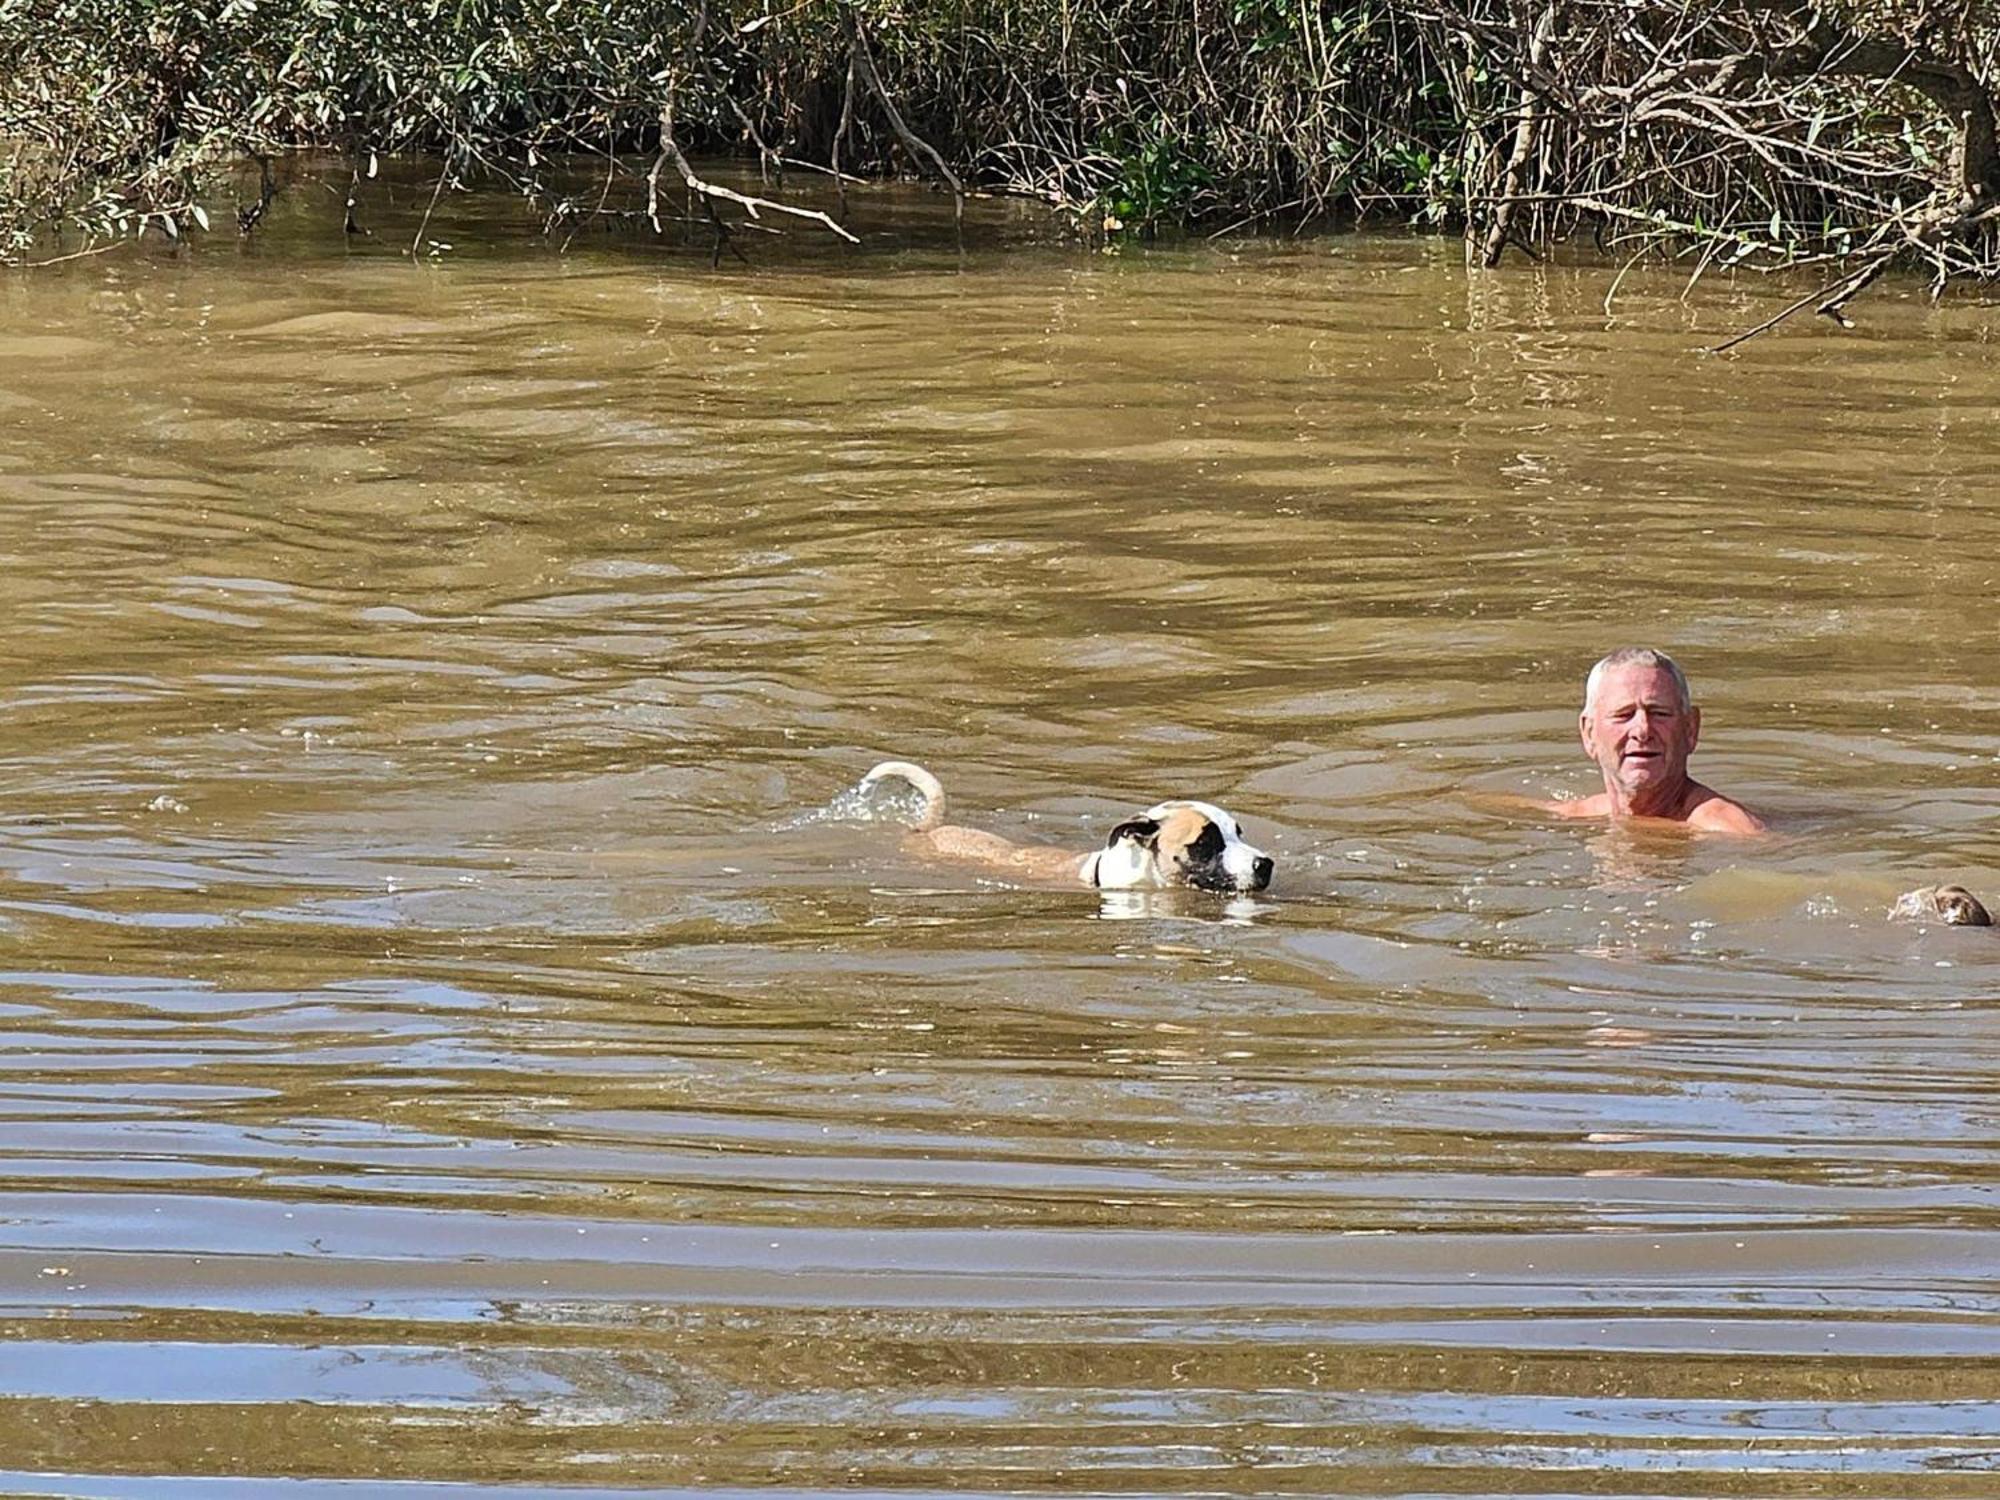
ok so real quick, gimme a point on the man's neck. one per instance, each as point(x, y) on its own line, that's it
point(1649, 802)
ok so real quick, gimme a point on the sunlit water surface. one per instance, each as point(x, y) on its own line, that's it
point(451, 1036)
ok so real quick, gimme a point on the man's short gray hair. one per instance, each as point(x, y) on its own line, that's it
point(1638, 656)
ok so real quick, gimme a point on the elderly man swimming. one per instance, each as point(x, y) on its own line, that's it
point(1640, 726)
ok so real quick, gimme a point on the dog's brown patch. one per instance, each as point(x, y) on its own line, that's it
point(975, 846)
point(1190, 845)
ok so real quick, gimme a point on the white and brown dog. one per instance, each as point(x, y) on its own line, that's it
point(1172, 844)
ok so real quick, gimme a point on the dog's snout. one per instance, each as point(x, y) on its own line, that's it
point(1260, 870)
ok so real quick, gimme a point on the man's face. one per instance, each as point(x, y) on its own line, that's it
point(1637, 731)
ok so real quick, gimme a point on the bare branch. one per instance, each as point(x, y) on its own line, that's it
point(1513, 176)
point(670, 151)
point(912, 142)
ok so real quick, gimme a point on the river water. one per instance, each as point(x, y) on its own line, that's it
point(459, 1037)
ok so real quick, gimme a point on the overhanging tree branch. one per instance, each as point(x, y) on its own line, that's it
point(670, 152)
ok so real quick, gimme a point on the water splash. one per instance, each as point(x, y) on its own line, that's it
point(887, 801)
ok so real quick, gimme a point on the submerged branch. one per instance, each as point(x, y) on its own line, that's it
point(710, 192)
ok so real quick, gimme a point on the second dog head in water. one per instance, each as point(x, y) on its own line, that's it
point(1176, 843)
point(1951, 905)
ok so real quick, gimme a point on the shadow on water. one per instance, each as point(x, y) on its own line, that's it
point(462, 1033)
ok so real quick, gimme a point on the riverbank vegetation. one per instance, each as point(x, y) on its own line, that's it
point(1741, 132)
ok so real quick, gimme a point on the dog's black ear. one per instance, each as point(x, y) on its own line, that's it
point(1960, 908)
point(1143, 830)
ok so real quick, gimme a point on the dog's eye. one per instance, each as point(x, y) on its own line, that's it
point(1207, 845)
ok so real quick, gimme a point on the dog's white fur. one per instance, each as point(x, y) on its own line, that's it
point(1168, 845)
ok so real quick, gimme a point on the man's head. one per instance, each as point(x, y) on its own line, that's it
point(1639, 723)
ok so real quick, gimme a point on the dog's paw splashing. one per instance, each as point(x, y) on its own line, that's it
point(885, 801)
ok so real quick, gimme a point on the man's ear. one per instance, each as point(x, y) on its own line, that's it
point(1583, 733)
point(1694, 728)
point(1143, 831)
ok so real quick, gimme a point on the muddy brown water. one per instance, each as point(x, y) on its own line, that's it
point(451, 1041)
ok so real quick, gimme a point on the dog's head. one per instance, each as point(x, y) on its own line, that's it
point(1180, 843)
point(1953, 905)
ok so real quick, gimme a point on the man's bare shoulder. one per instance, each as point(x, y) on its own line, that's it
point(1708, 811)
point(1715, 813)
